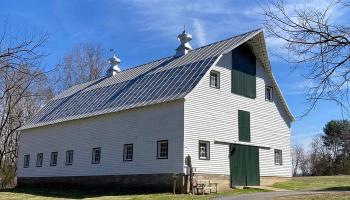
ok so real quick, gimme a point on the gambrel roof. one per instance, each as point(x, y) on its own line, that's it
point(159, 81)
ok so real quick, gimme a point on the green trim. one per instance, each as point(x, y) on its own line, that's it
point(243, 77)
point(243, 126)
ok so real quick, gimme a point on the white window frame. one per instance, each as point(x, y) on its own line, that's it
point(278, 157)
point(162, 149)
point(39, 159)
point(128, 152)
point(26, 161)
point(53, 159)
point(214, 82)
point(69, 157)
point(96, 155)
point(269, 93)
point(204, 150)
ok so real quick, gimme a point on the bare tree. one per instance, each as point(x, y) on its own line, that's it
point(317, 44)
point(299, 158)
point(23, 89)
point(320, 160)
point(84, 63)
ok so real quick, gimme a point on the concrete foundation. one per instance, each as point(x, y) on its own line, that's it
point(222, 180)
point(139, 182)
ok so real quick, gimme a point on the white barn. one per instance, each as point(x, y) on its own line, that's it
point(219, 104)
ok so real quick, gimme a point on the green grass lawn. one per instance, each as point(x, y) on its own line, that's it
point(316, 183)
point(39, 194)
point(341, 196)
point(297, 183)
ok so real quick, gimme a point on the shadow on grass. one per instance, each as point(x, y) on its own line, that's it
point(338, 188)
point(78, 193)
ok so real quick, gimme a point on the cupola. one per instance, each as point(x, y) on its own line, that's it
point(184, 46)
point(113, 68)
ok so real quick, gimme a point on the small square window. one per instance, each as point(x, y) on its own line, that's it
point(128, 152)
point(26, 161)
point(162, 149)
point(39, 160)
point(204, 150)
point(278, 157)
point(53, 160)
point(69, 157)
point(269, 93)
point(215, 79)
point(96, 155)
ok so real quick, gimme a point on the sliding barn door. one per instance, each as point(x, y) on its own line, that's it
point(244, 165)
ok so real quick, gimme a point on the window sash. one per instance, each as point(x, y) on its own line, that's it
point(162, 149)
point(53, 160)
point(214, 79)
point(204, 150)
point(128, 152)
point(26, 161)
point(278, 157)
point(69, 157)
point(39, 160)
point(269, 93)
point(96, 155)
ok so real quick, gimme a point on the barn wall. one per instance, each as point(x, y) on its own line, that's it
point(212, 114)
point(143, 127)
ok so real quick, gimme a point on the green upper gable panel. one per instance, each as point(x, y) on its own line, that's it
point(243, 71)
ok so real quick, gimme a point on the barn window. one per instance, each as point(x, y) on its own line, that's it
point(26, 161)
point(269, 93)
point(204, 149)
point(162, 149)
point(278, 157)
point(215, 79)
point(128, 152)
point(69, 157)
point(53, 160)
point(96, 155)
point(39, 159)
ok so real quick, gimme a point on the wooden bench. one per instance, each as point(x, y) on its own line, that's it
point(205, 186)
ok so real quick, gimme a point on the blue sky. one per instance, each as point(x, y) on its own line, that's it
point(141, 31)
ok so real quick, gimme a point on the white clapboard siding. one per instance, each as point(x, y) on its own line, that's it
point(212, 114)
point(142, 127)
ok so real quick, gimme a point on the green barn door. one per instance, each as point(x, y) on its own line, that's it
point(253, 171)
point(244, 165)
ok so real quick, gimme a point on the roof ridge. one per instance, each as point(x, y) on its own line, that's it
point(258, 29)
point(153, 61)
point(140, 65)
